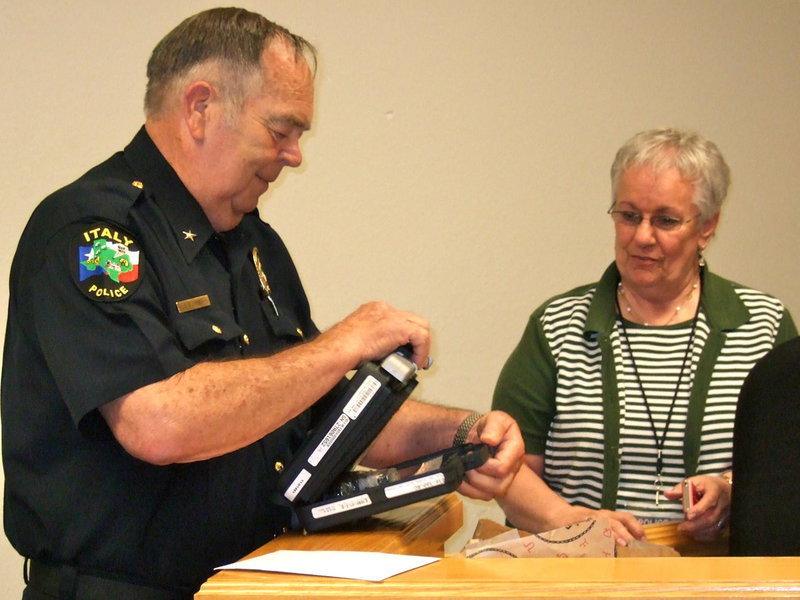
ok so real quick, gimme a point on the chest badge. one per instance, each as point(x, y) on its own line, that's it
point(262, 279)
point(107, 262)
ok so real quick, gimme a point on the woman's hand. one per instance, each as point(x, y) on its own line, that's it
point(624, 525)
point(707, 518)
point(531, 505)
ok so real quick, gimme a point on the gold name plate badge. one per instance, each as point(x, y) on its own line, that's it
point(193, 303)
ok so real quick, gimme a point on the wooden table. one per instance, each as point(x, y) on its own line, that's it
point(422, 529)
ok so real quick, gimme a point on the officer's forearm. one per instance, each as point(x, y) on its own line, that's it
point(415, 430)
point(217, 407)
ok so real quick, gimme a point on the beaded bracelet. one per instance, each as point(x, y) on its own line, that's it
point(466, 425)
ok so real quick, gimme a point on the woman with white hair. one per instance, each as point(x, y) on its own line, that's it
point(625, 389)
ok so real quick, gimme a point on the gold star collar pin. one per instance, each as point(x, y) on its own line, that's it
point(188, 235)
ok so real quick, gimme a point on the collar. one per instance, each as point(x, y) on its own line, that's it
point(723, 308)
point(186, 218)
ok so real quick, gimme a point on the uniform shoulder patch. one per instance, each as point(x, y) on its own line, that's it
point(106, 262)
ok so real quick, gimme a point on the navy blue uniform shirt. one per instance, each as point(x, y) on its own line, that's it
point(120, 281)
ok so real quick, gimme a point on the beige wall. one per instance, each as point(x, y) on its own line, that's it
point(458, 163)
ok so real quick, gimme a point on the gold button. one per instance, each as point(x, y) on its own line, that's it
point(278, 466)
point(246, 339)
point(300, 332)
point(216, 329)
point(137, 184)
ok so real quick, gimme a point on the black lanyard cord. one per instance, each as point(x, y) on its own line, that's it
point(659, 441)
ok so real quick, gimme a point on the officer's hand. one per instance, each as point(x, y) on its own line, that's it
point(498, 430)
point(375, 329)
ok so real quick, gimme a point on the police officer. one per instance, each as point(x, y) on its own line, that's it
point(161, 363)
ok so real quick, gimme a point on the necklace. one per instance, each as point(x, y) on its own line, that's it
point(630, 311)
point(659, 440)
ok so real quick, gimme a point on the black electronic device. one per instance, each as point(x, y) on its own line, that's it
point(319, 482)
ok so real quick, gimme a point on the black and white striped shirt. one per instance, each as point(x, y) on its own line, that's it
point(571, 385)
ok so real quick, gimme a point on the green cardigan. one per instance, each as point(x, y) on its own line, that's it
point(724, 311)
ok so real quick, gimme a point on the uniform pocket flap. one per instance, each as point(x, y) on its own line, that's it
point(198, 327)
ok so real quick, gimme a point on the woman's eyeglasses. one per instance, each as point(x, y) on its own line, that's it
point(631, 218)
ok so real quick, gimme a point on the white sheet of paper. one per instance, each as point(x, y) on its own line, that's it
point(369, 566)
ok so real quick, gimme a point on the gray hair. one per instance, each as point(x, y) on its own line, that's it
point(696, 158)
point(222, 44)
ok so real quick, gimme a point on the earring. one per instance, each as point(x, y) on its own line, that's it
point(701, 260)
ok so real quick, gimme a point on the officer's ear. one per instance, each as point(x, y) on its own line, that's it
point(196, 101)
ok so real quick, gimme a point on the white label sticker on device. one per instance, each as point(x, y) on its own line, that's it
point(340, 506)
point(361, 397)
point(297, 485)
point(334, 432)
point(415, 485)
